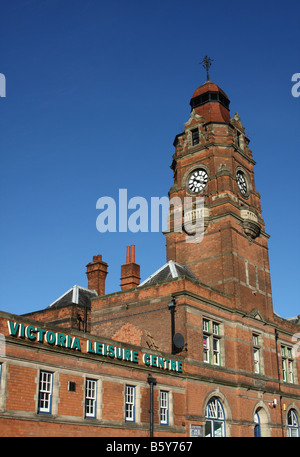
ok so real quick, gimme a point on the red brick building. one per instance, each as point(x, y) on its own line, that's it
point(197, 343)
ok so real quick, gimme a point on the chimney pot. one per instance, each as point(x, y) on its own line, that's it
point(130, 271)
point(128, 254)
point(133, 253)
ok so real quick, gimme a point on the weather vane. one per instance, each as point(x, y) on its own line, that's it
point(206, 63)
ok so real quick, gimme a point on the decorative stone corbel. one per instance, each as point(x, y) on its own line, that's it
point(250, 223)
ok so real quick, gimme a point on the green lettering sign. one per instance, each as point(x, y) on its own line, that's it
point(68, 342)
point(61, 340)
point(89, 347)
point(40, 334)
point(29, 332)
point(13, 328)
point(50, 337)
point(111, 351)
point(98, 348)
point(76, 344)
point(134, 357)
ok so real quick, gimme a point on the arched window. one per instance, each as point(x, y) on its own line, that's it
point(292, 423)
point(261, 419)
point(257, 432)
point(215, 418)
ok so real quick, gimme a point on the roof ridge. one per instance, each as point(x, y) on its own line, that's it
point(173, 268)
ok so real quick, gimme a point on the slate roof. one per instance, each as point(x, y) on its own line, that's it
point(293, 320)
point(76, 295)
point(171, 270)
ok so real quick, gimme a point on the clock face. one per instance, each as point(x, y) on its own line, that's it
point(242, 183)
point(197, 180)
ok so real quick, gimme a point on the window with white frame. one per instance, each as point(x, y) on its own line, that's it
point(129, 403)
point(205, 325)
point(206, 351)
point(283, 363)
point(211, 342)
point(290, 371)
point(256, 353)
point(216, 328)
point(90, 398)
point(216, 351)
point(164, 407)
point(287, 364)
point(45, 392)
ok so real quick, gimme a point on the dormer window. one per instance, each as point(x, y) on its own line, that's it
point(195, 137)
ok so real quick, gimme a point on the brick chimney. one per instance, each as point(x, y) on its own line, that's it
point(130, 271)
point(96, 272)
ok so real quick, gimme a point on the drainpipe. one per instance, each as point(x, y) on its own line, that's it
point(172, 308)
point(85, 318)
point(151, 382)
point(279, 387)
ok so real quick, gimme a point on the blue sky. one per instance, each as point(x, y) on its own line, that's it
point(96, 92)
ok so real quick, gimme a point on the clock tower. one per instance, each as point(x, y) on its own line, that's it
point(212, 160)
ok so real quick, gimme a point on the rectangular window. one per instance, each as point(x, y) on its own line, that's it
point(287, 364)
point(164, 407)
point(256, 353)
point(211, 344)
point(90, 398)
point(256, 360)
point(206, 349)
point(255, 340)
point(45, 392)
point(130, 403)
point(290, 371)
point(215, 328)
point(216, 351)
point(205, 325)
point(283, 362)
point(195, 137)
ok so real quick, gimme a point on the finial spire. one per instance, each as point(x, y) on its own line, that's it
point(206, 63)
